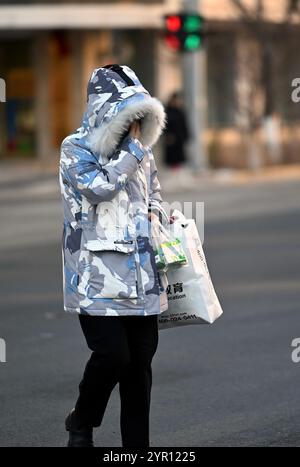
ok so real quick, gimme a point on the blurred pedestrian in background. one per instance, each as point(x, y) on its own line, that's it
point(176, 133)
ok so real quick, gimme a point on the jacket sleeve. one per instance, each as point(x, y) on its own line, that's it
point(155, 198)
point(98, 182)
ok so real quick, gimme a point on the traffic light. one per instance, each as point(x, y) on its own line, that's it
point(184, 31)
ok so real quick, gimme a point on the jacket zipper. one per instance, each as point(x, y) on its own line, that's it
point(123, 241)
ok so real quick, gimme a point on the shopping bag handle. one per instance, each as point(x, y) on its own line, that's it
point(162, 212)
point(179, 218)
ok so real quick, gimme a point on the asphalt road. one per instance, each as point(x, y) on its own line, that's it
point(231, 384)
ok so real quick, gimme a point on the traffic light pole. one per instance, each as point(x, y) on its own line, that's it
point(194, 79)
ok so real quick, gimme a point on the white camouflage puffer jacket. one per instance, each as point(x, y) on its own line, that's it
point(108, 183)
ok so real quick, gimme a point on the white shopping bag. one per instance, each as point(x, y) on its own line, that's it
point(191, 295)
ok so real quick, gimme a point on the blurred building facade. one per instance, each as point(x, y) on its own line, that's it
point(48, 51)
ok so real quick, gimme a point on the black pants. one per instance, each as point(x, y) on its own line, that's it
point(122, 351)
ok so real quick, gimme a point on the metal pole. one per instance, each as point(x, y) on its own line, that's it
point(194, 89)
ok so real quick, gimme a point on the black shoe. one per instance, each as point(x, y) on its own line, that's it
point(79, 437)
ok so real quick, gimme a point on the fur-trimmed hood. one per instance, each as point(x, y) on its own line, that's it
point(116, 97)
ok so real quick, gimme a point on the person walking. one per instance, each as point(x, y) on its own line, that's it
point(110, 195)
point(176, 132)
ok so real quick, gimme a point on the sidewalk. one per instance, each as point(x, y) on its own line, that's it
point(31, 209)
point(28, 180)
point(185, 180)
point(11, 171)
point(28, 172)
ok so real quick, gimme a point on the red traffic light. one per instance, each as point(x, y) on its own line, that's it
point(172, 41)
point(184, 31)
point(173, 23)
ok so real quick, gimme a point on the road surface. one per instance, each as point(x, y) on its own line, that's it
point(231, 384)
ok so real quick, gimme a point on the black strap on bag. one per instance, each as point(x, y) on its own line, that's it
point(119, 70)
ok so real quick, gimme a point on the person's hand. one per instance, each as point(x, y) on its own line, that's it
point(152, 217)
point(135, 129)
point(172, 219)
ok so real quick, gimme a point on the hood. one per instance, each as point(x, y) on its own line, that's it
point(116, 97)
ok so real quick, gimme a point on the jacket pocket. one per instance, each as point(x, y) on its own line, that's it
point(109, 269)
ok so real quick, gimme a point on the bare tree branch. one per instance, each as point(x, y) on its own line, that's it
point(245, 12)
point(293, 7)
point(260, 10)
point(252, 19)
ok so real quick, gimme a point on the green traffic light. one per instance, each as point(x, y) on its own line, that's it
point(192, 42)
point(192, 23)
